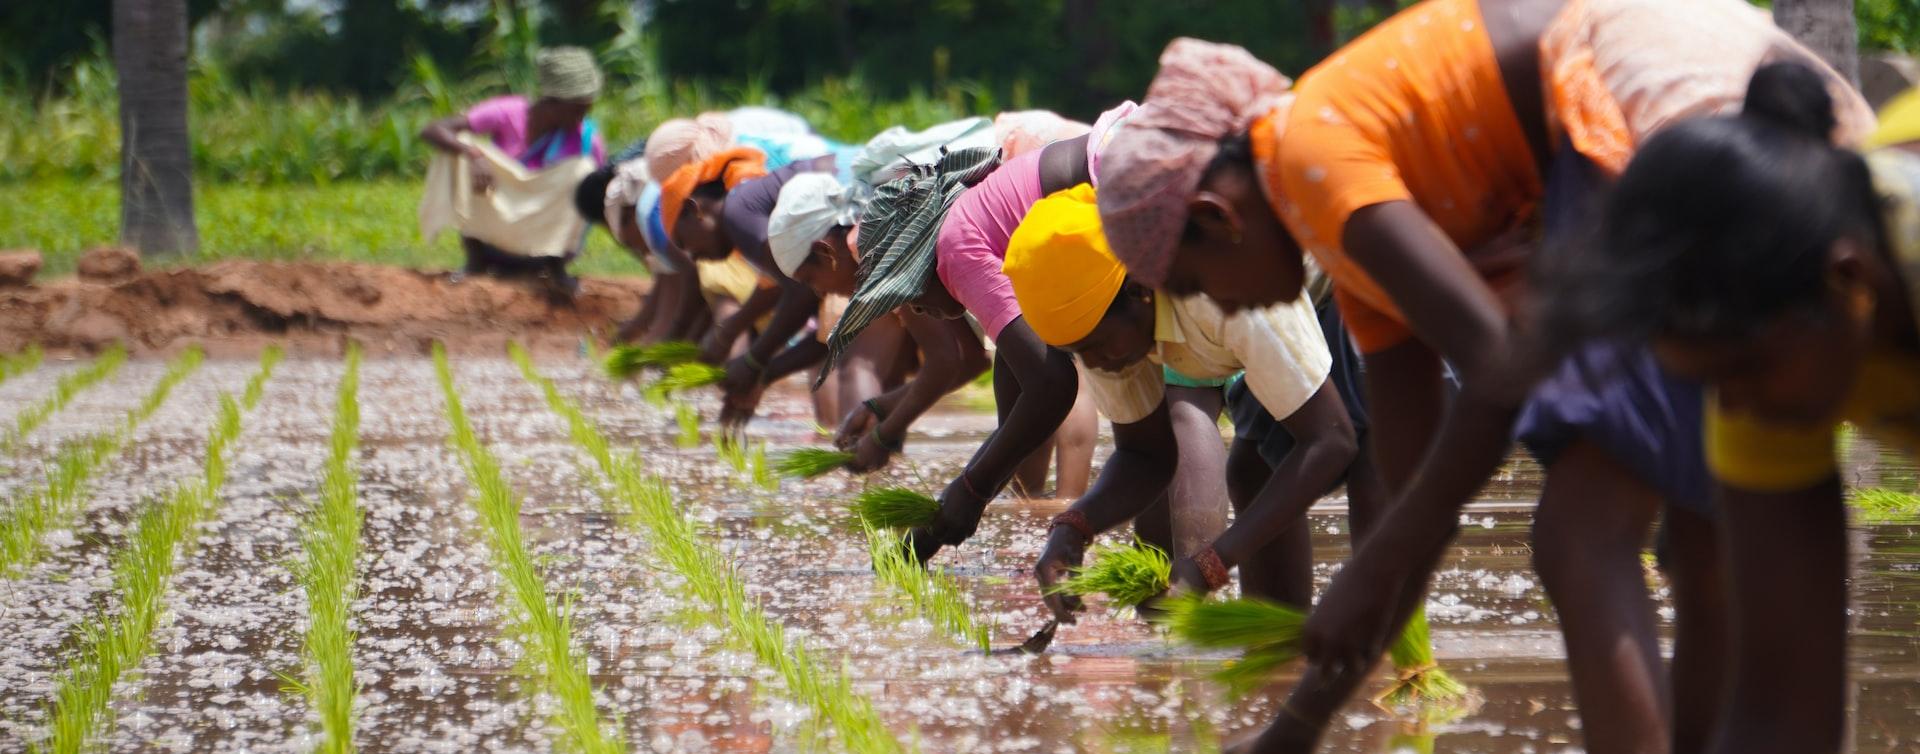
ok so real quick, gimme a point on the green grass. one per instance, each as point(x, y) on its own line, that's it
point(547, 630)
point(116, 642)
point(894, 508)
point(1419, 683)
point(1268, 634)
point(330, 546)
point(1127, 574)
point(935, 596)
point(362, 221)
point(807, 463)
point(14, 365)
point(712, 579)
point(55, 502)
point(64, 389)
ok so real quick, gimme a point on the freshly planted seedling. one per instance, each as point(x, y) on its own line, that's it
point(935, 596)
point(1126, 574)
point(807, 463)
point(64, 390)
point(895, 508)
point(1267, 633)
point(561, 669)
point(14, 365)
point(330, 547)
point(625, 362)
point(118, 640)
point(688, 418)
point(713, 579)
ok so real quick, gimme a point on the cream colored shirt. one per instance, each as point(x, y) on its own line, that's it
point(1280, 347)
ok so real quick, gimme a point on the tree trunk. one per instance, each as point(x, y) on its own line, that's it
point(156, 157)
point(1826, 27)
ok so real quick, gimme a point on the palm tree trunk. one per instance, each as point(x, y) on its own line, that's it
point(156, 157)
point(1825, 26)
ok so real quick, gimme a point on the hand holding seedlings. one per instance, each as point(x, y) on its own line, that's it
point(1065, 550)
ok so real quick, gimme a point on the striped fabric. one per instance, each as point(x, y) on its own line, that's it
point(897, 236)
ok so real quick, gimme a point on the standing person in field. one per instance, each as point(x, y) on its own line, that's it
point(1782, 271)
point(1419, 165)
point(1077, 297)
point(811, 235)
point(534, 152)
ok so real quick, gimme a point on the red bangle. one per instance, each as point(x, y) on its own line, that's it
point(1074, 520)
point(968, 483)
point(1212, 570)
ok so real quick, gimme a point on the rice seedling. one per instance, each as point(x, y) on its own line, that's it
point(14, 365)
point(807, 463)
point(895, 508)
point(936, 596)
point(1267, 632)
point(330, 547)
point(762, 473)
point(624, 362)
point(64, 390)
point(688, 418)
point(1419, 683)
point(561, 671)
point(732, 450)
point(683, 377)
point(711, 578)
point(122, 635)
point(50, 505)
point(1879, 504)
point(1418, 741)
point(1126, 574)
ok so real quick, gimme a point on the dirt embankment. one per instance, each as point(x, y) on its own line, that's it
point(314, 308)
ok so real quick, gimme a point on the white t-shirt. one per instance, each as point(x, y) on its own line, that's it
point(1280, 347)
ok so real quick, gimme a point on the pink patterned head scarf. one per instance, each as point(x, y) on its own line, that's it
point(684, 141)
point(1154, 161)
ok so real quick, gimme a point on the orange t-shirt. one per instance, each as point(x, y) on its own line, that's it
point(1414, 109)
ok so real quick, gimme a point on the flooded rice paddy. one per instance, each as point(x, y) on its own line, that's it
point(440, 666)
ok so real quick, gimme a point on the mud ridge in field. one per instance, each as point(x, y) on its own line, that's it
point(237, 306)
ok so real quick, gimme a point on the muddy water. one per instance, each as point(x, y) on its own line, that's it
point(441, 670)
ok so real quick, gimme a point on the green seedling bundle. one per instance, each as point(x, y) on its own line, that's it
point(627, 362)
point(1126, 574)
point(115, 642)
point(561, 670)
point(895, 508)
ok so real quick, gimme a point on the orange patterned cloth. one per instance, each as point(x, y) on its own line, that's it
point(1413, 110)
point(731, 167)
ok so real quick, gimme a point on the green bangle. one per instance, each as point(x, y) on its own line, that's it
point(873, 405)
point(891, 447)
point(753, 363)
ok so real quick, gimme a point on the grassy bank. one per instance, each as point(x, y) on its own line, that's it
point(359, 221)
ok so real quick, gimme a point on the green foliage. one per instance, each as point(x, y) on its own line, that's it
point(1888, 24)
point(119, 638)
point(1126, 574)
point(562, 670)
point(354, 222)
point(330, 547)
point(55, 502)
point(64, 389)
point(936, 596)
point(1268, 634)
point(807, 463)
point(711, 578)
point(894, 508)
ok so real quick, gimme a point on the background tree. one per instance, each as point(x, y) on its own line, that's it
point(156, 157)
point(1827, 26)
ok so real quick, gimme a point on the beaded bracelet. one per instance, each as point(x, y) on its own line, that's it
point(1212, 570)
point(1074, 520)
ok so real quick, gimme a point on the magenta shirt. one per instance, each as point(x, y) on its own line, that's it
point(973, 241)
point(504, 120)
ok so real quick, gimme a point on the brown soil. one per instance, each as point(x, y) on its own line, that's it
point(315, 308)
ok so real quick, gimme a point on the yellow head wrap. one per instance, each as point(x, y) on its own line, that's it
point(1063, 274)
point(1899, 121)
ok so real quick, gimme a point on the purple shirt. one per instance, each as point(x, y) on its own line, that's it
point(504, 120)
point(973, 241)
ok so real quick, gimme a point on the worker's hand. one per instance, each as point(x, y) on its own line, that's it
point(714, 347)
point(1186, 580)
point(736, 409)
point(482, 176)
point(1064, 552)
point(868, 455)
point(742, 376)
point(858, 423)
point(1350, 627)
point(954, 523)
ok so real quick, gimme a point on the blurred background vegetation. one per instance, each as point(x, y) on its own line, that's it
point(304, 113)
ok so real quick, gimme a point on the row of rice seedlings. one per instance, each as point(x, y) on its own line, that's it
point(807, 463)
point(14, 365)
point(330, 545)
point(749, 460)
point(626, 362)
point(121, 637)
point(894, 508)
point(1267, 633)
point(1879, 504)
point(548, 630)
point(1127, 574)
point(685, 415)
point(936, 596)
point(50, 505)
point(64, 390)
point(712, 579)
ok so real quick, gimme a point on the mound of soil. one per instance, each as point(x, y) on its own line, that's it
point(238, 306)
